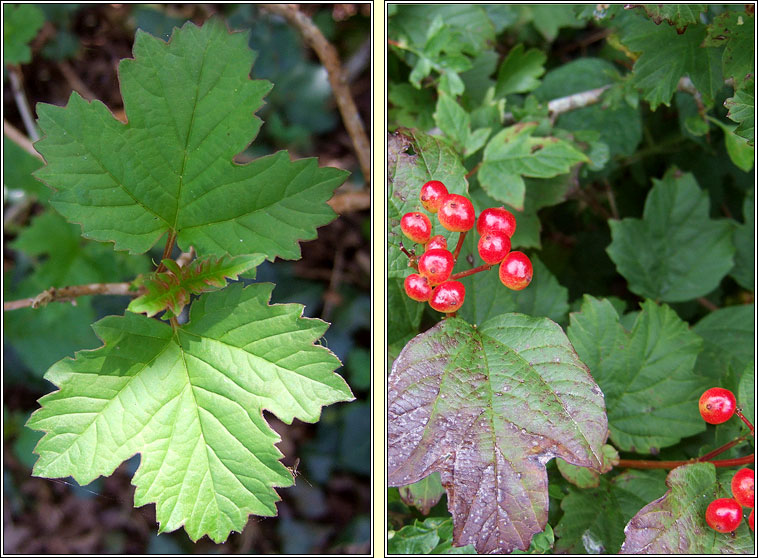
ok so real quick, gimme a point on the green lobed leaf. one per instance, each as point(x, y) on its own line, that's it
point(548, 19)
point(410, 107)
point(735, 31)
point(468, 26)
point(677, 15)
point(520, 71)
point(18, 166)
point(593, 519)
point(676, 252)
point(21, 22)
point(420, 537)
point(487, 297)
point(666, 55)
point(590, 522)
point(423, 494)
point(728, 335)
point(746, 389)
point(513, 154)
point(744, 241)
point(66, 259)
point(60, 258)
point(742, 110)
point(647, 374)
point(588, 478)
point(190, 105)
point(193, 398)
point(675, 523)
point(452, 119)
point(618, 125)
point(487, 407)
point(740, 152)
point(171, 289)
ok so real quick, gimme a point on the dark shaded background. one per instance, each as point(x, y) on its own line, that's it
point(328, 510)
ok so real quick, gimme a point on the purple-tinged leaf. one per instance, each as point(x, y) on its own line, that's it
point(488, 407)
point(675, 523)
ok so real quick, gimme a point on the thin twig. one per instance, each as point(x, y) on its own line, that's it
point(644, 464)
point(611, 200)
point(458, 246)
point(722, 449)
point(749, 424)
point(23, 105)
point(704, 302)
point(472, 271)
point(346, 202)
point(556, 107)
point(329, 58)
point(332, 296)
point(167, 250)
point(67, 294)
point(74, 81)
point(17, 137)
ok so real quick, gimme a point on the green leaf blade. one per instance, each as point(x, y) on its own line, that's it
point(676, 252)
point(646, 374)
point(520, 71)
point(21, 22)
point(190, 105)
point(193, 398)
point(512, 154)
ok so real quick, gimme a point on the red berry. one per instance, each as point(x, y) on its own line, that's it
point(724, 515)
point(717, 405)
point(416, 226)
point(516, 271)
point(456, 213)
point(751, 520)
point(494, 246)
point(496, 219)
point(417, 287)
point(437, 242)
point(436, 265)
point(448, 296)
point(743, 487)
point(432, 194)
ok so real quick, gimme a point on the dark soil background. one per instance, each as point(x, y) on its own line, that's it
point(328, 510)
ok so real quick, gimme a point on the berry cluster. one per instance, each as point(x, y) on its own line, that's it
point(434, 283)
point(718, 405)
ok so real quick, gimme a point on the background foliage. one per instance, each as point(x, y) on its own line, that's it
point(622, 139)
point(65, 47)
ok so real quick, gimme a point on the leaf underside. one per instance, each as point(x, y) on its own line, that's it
point(190, 105)
point(191, 402)
point(487, 407)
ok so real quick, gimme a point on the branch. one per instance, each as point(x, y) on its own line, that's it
point(644, 464)
point(556, 107)
point(345, 202)
point(14, 72)
point(337, 78)
point(15, 135)
point(67, 294)
point(73, 80)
